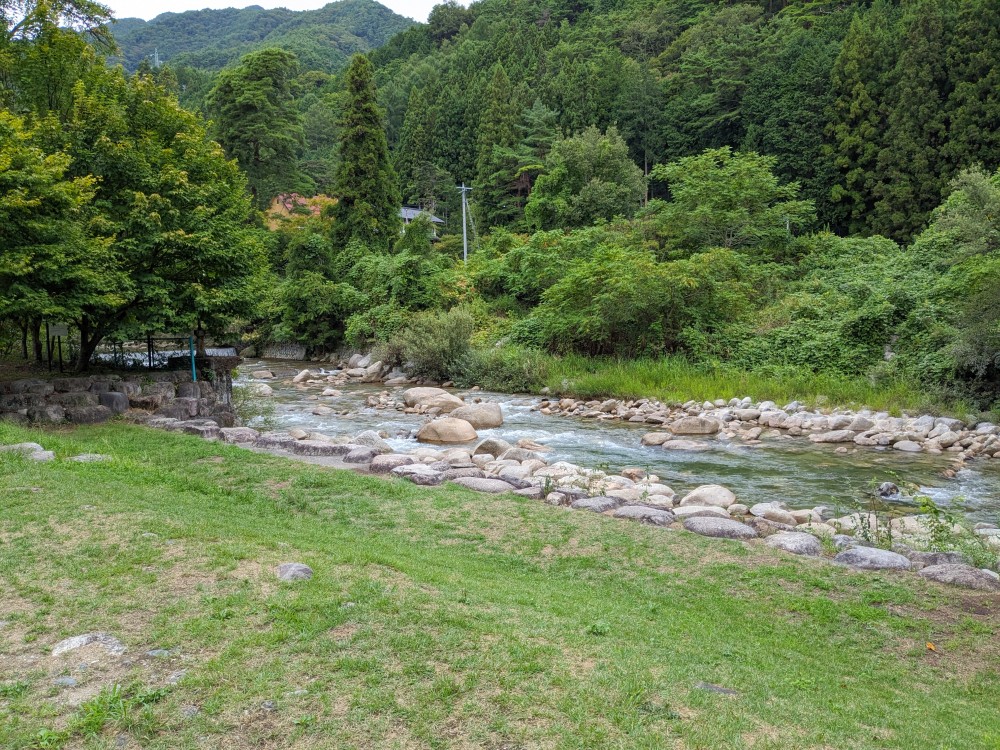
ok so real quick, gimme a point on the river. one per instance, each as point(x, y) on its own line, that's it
point(792, 470)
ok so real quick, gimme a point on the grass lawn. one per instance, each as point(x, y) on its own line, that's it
point(440, 618)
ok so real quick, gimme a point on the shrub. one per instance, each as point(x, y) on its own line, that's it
point(511, 369)
point(434, 343)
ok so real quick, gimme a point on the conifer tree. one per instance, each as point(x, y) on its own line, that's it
point(416, 141)
point(974, 104)
point(367, 209)
point(911, 172)
point(257, 123)
point(858, 116)
point(495, 166)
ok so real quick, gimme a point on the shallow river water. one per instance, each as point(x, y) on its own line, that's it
point(792, 470)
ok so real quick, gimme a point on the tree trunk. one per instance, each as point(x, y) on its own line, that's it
point(36, 339)
point(88, 344)
point(24, 339)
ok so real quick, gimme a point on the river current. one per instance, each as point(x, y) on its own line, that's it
point(792, 470)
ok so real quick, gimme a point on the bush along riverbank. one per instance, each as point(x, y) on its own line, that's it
point(932, 543)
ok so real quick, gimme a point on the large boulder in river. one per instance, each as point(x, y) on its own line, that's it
point(481, 416)
point(696, 426)
point(447, 430)
point(432, 398)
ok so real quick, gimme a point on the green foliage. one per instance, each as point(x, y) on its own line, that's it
point(722, 199)
point(508, 369)
point(315, 309)
point(586, 177)
point(434, 344)
point(255, 121)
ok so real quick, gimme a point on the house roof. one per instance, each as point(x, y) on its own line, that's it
point(409, 213)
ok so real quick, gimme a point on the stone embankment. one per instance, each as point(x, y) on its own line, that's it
point(455, 454)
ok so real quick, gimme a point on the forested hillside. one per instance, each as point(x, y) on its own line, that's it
point(766, 186)
point(322, 39)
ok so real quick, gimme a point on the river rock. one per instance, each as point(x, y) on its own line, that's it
point(322, 411)
point(447, 430)
point(385, 463)
point(685, 445)
point(723, 528)
point(262, 374)
point(599, 504)
point(481, 416)
point(695, 511)
point(696, 426)
point(645, 514)
point(656, 438)
point(710, 494)
point(450, 475)
point(965, 576)
point(908, 446)
point(773, 512)
point(872, 558)
point(293, 571)
point(819, 529)
point(108, 642)
point(373, 440)
point(796, 542)
point(302, 376)
point(834, 436)
point(492, 446)
point(432, 398)
point(492, 486)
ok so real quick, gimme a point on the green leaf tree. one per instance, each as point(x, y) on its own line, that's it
point(587, 177)
point(729, 200)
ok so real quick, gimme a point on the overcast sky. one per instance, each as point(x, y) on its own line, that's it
point(416, 9)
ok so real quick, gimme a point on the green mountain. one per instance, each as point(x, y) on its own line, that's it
point(211, 39)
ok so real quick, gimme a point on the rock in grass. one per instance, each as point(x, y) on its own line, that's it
point(796, 542)
point(90, 458)
point(108, 642)
point(872, 558)
point(294, 571)
point(596, 504)
point(386, 463)
point(238, 434)
point(418, 474)
point(722, 528)
point(25, 449)
point(645, 514)
point(694, 511)
point(965, 576)
point(360, 454)
point(492, 486)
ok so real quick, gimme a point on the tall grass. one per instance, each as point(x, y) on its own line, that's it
point(677, 379)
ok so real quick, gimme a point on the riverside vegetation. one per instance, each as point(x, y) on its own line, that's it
point(598, 633)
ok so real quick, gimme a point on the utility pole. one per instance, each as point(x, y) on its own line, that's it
point(465, 237)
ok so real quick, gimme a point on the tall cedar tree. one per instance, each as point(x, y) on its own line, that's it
point(416, 141)
point(257, 122)
point(911, 171)
point(495, 169)
point(858, 117)
point(974, 105)
point(368, 203)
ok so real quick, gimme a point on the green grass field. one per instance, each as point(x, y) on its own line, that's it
point(676, 379)
point(439, 618)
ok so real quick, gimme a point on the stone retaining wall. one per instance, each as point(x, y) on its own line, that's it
point(90, 399)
